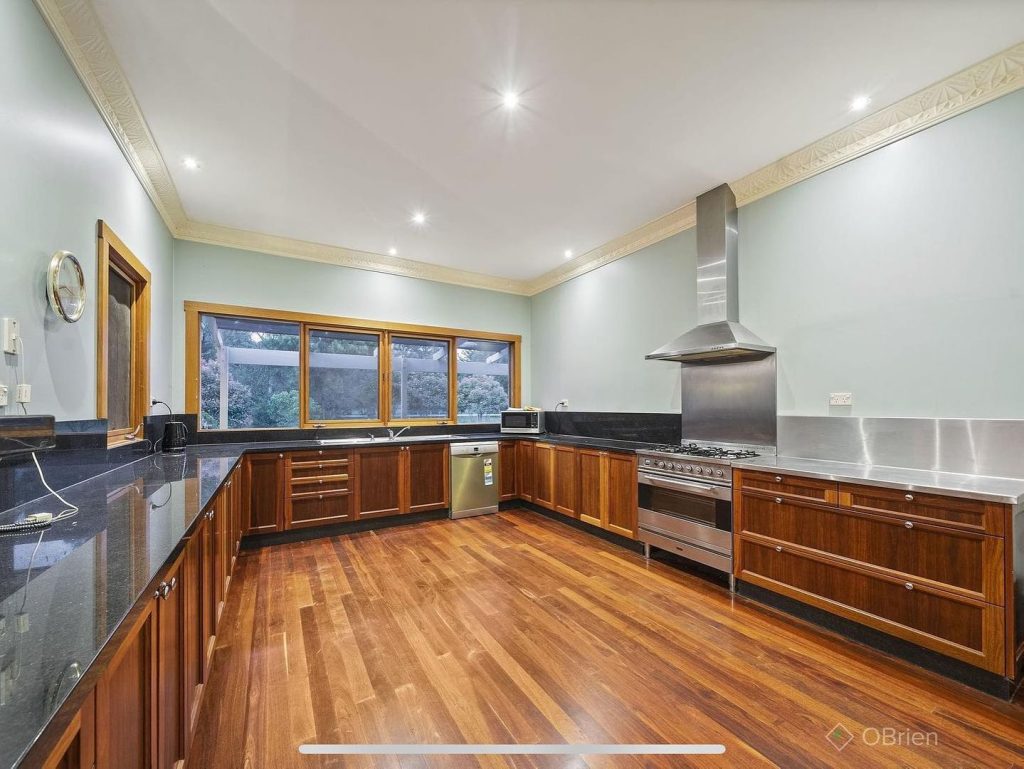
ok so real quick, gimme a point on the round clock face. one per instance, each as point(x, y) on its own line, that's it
point(65, 286)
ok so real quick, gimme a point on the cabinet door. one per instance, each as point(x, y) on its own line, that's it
point(193, 590)
point(524, 470)
point(507, 469)
point(126, 700)
point(620, 513)
point(237, 492)
point(265, 493)
point(544, 475)
point(590, 498)
point(427, 482)
point(171, 611)
point(76, 749)
point(378, 478)
point(210, 596)
point(565, 481)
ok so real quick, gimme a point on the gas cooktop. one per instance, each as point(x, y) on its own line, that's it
point(705, 452)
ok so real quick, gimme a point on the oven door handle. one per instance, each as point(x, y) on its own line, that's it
point(715, 492)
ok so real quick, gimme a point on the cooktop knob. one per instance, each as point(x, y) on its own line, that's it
point(661, 464)
point(721, 473)
point(699, 470)
point(689, 468)
point(647, 461)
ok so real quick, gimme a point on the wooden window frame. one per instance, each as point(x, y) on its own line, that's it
point(112, 253)
point(195, 310)
point(304, 419)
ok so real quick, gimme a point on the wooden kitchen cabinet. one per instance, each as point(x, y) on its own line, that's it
point(426, 477)
point(264, 493)
point(319, 488)
point(525, 470)
point(126, 699)
point(194, 641)
point(171, 612)
point(544, 475)
point(926, 568)
point(379, 474)
point(76, 747)
point(607, 491)
point(566, 485)
point(507, 469)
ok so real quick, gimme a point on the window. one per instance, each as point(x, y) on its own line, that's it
point(249, 373)
point(419, 379)
point(344, 376)
point(249, 368)
point(483, 379)
point(122, 338)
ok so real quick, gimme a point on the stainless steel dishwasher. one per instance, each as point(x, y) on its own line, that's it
point(475, 482)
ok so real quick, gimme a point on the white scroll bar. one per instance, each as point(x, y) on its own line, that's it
point(557, 749)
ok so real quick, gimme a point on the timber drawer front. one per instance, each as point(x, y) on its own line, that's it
point(927, 568)
point(319, 490)
point(790, 486)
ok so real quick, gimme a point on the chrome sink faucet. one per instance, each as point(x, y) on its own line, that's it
point(392, 434)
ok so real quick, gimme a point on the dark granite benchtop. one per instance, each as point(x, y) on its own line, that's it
point(65, 590)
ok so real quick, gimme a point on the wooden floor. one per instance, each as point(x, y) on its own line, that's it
point(514, 628)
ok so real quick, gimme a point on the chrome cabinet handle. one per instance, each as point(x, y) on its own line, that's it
point(174, 582)
point(908, 585)
point(909, 524)
point(908, 497)
point(778, 479)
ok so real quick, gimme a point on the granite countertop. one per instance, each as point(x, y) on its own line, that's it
point(990, 489)
point(66, 589)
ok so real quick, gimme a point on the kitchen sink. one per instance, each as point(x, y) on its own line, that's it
point(402, 438)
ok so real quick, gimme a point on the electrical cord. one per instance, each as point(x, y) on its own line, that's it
point(40, 520)
point(20, 378)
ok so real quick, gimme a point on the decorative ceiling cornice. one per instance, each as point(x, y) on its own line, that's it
point(79, 32)
point(77, 29)
point(247, 240)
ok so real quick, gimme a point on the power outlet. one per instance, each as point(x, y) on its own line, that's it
point(840, 399)
point(3, 395)
point(9, 335)
point(23, 393)
point(564, 403)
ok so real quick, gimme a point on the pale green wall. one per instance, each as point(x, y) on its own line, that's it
point(216, 274)
point(61, 172)
point(898, 277)
point(591, 333)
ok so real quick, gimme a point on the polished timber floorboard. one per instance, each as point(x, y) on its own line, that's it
point(514, 628)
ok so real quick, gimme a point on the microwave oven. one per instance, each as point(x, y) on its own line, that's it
point(521, 421)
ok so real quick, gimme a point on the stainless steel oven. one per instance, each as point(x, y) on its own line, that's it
point(690, 517)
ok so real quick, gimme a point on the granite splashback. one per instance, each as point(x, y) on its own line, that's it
point(621, 426)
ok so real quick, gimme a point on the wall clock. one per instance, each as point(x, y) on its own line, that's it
point(65, 286)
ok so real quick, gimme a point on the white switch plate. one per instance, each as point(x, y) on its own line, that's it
point(3, 395)
point(840, 399)
point(9, 334)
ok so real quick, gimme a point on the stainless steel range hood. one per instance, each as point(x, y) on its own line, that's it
point(719, 338)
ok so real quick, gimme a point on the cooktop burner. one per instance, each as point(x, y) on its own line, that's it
point(710, 452)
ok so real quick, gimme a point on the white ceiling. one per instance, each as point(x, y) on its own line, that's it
point(334, 121)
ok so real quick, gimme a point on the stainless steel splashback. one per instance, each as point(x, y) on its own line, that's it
point(975, 446)
point(730, 402)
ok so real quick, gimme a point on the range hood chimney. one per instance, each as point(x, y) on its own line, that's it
point(719, 337)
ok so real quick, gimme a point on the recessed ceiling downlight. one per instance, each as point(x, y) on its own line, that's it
point(191, 163)
point(392, 251)
point(510, 99)
point(419, 218)
point(859, 103)
point(568, 253)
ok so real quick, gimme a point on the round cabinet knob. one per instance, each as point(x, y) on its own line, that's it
point(778, 479)
point(778, 548)
point(909, 524)
point(908, 585)
point(321, 496)
point(778, 500)
point(320, 452)
point(280, 456)
point(320, 466)
point(908, 497)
